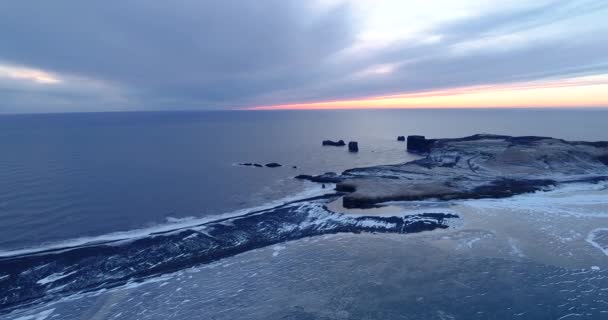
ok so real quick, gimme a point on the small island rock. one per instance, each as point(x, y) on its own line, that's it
point(249, 164)
point(339, 143)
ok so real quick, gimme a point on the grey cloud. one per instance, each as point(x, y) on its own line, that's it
point(190, 54)
point(210, 50)
point(429, 66)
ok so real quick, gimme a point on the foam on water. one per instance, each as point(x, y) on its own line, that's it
point(593, 236)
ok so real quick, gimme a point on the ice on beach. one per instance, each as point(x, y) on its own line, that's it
point(54, 277)
point(39, 316)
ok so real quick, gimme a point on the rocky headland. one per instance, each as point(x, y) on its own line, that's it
point(478, 166)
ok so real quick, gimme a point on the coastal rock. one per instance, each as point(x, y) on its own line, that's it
point(273, 165)
point(327, 177)
point(249, 164)
point(339, 143)
point(479, 166)
point(353, 146)
point(400, 138)
point(419, 144)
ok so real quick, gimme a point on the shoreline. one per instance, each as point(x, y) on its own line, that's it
point(310, 191)
point(474, 167)
point(454, 170)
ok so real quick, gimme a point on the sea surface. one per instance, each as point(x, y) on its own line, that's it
point(75, 178)
point(65, 176)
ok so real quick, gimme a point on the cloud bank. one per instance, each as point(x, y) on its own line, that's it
point(71, 55)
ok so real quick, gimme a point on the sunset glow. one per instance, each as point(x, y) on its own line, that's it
point(574, 92)
point(19, 73)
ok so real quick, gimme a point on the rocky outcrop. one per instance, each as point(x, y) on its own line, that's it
point(401, 138)
point(480, 166)
point(273, 165)
point(339, 143)
point(327, 177)
point(419, 144)
point(249, 164)
point(353, 146)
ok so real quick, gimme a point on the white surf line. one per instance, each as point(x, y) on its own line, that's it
point(591, 240)
point(312, 190)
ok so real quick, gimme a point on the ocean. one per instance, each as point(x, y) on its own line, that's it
point(72, 179)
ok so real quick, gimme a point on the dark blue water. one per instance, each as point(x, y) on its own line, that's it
point(65, 176)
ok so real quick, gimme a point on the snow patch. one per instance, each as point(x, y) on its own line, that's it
point(277, 249)
point(575, 200)
point(54, 277)
point(39, 316)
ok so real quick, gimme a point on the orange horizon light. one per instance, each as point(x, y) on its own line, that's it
point(591, 91)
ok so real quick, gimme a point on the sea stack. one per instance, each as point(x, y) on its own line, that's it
point(419, 144)
point(353, 146)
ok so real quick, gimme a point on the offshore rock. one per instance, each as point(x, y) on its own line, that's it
point(400, 138)
point(353, 146)
point(249, 164)
point(273, 165)
point(419, 144)
point(327, 177)
point(339, 143)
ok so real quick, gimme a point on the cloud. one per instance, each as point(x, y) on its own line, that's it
point(193, 54)
point(27, 74)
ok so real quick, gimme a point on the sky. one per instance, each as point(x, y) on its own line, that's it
point(85, 56)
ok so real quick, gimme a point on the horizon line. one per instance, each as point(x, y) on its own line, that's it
point(248, 109)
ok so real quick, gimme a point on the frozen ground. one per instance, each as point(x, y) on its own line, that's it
point(532, 256)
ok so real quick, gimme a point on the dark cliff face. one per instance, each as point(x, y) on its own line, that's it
point(419, 144)
point(479, 166)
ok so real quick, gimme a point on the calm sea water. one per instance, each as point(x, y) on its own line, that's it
point(65, 176)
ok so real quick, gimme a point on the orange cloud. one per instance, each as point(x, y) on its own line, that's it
point(591, 91)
